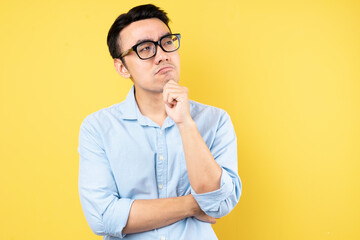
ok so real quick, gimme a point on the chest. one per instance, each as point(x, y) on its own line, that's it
point(147, 162)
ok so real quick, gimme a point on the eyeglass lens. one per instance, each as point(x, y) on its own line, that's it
point(147, 49)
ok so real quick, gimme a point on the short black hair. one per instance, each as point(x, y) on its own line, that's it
point(135, 14)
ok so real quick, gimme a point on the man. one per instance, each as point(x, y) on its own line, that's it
point(157, 165)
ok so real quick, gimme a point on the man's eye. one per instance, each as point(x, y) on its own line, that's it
point(144, 49)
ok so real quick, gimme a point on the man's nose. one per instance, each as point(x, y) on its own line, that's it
point(161, 55)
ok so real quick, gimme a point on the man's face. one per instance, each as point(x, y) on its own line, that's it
point(152, 74)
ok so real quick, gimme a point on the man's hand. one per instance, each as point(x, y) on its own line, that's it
point(177, 102)
point(205, 218)
point(198, 213)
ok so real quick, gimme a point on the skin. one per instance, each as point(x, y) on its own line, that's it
point(158, 95)
point(149, 76)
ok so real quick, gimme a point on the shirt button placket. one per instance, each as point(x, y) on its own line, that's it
point(161, 172)
point(161, 166)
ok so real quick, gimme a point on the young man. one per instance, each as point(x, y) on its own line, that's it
point(157, 165)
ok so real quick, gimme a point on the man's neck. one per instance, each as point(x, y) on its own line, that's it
point(151, 105)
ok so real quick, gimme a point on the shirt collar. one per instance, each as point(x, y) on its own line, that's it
point(129, 106)
point(131, 111)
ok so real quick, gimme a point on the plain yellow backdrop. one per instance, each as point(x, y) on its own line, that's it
point(287, 72)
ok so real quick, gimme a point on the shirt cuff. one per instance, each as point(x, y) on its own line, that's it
point(116, 218)
point(211, 201)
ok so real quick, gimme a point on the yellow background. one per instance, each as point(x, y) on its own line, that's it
point(287, 72)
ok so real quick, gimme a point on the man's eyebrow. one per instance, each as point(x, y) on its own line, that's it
point(148, 39)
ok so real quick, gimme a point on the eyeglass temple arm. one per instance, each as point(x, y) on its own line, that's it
point(125, 53)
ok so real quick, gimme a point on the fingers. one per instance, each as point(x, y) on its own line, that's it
point(171, 104)
point(205, 218)
point(212, 220)
point(173, 93)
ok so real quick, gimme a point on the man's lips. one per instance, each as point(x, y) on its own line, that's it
point(164, 69)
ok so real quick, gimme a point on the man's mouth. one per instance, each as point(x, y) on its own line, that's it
point(164, 69)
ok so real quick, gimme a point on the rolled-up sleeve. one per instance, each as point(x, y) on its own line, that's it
point(220, 202)
point(105, 212)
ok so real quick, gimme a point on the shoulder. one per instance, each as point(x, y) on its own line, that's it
point(103, 116)
point(208, 116)
point(202, 110)
point(213, 123)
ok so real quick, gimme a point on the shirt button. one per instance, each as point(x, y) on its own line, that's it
point(161, 134)
point(162, 238)
point(161, 157)
point(160, 186)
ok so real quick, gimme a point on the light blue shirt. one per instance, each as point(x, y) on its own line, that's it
point(125, 156)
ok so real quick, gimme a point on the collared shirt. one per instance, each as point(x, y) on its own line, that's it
point(125, 156)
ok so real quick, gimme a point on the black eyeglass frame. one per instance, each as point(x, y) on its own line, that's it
point(157, 43)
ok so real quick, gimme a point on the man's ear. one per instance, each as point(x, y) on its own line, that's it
point(121, 68)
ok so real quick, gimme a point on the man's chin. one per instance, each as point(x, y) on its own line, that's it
point(168, 78)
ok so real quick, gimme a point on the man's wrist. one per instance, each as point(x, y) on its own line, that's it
point(192, 206)
point(188, 124)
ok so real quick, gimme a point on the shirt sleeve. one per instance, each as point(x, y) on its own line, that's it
point(220, 202)
point(105, 211)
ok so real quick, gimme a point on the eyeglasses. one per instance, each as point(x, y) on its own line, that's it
point(148, 49)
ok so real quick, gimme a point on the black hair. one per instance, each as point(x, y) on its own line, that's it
point(135, 14)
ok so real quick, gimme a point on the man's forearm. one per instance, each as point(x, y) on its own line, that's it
point(203, 171)
point(149, 214)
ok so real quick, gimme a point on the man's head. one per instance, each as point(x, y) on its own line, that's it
point(143, 23)
point(135, 14)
